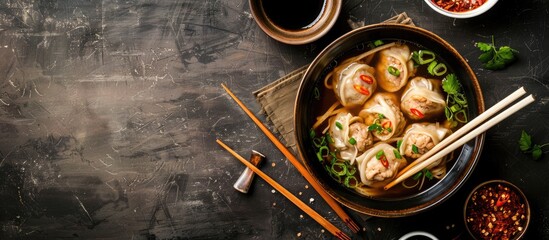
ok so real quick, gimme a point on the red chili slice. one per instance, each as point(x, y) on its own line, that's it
point(361, 89)
point(417, 112)
point(386, 124)
point(366, 79)
point(384, 161)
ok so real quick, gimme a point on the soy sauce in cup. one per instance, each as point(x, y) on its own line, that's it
point(292, 14)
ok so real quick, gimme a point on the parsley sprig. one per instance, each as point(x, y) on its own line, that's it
point(525, 144)
point(494, 58)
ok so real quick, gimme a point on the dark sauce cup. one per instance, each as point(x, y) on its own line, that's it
point(295, 22)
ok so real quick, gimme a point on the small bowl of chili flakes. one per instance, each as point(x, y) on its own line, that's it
point(496, 209)
point(461, 8)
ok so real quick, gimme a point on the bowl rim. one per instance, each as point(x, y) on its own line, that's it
point(504, 182)
point(467, 14)
point(297, 37)
point(478, 141)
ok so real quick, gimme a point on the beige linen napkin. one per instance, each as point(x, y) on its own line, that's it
point(277, 98)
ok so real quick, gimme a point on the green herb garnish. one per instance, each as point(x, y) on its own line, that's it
point(352, 141)
point(415, 149)
point(397, 154)
point(456, 102)
point(525, 144)
point(379, 154)
point(494, 58)
point(375, 127)
point(338, 125)
point(393, 71)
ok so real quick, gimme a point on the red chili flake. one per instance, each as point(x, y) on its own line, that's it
point(366, 79)
point(416, 112)
point(459, 5)
point(361, 89)
point(495, 211)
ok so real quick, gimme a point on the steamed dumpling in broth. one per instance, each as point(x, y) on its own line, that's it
point(383, 116)
point(354, 84)
point(342, 128)
point(394, 67)
point(422, 98)
point(420, 138)
point(379, 165)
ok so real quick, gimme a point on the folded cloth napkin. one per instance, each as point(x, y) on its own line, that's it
point(277, 98)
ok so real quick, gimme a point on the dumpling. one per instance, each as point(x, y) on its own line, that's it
point(422, 98)
point(354, 84)
point(420, 138)
point(379, 164)
point(383, 116)
point(394, 67)
point(350, 136)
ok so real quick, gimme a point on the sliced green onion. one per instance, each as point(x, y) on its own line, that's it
point(440, 69)
point(352, 141)
point(393, 71)
point(418, 175)
point(449, 114)
point(329, 138)
point(389, 129)
point(455, 108)
point(460, 98)
point(428, 174)
point(316, 93)
point(415, 149)
point(431, 67)
point(319, 142)
point(379, 154)
point(425, 56)
point(339, 169)
point(375, 127)
point(322, 151)
point(399, 142)
point(351, 182)
point(338, 125)
point(397, 154)
point(378, 43)
point(351, 170)
point(461, 116)
point(312, 133)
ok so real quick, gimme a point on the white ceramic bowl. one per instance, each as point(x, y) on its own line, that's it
point(467, 14)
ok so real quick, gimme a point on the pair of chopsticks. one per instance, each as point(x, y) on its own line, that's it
point(317, 217)
point(464, 134)
point(331, 202)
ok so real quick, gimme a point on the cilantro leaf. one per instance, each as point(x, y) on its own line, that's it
point(494, 58)
point(485, 47)
point(525, 145)
point(450, 84)
point(525, 141)
point(536, 152)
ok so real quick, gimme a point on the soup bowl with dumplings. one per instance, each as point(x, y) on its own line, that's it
point(375, 100)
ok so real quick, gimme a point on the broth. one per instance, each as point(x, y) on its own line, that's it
point(327, 97)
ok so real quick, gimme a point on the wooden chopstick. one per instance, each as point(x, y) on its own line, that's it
point(466, 128)
point(459, 142)
point(317, 217)
point(333, 204)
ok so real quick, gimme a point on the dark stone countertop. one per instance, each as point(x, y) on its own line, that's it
point(109, 111)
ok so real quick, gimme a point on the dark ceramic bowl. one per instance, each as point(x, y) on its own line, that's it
point(352, 44)
point(323, 23)
point(497, 187)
